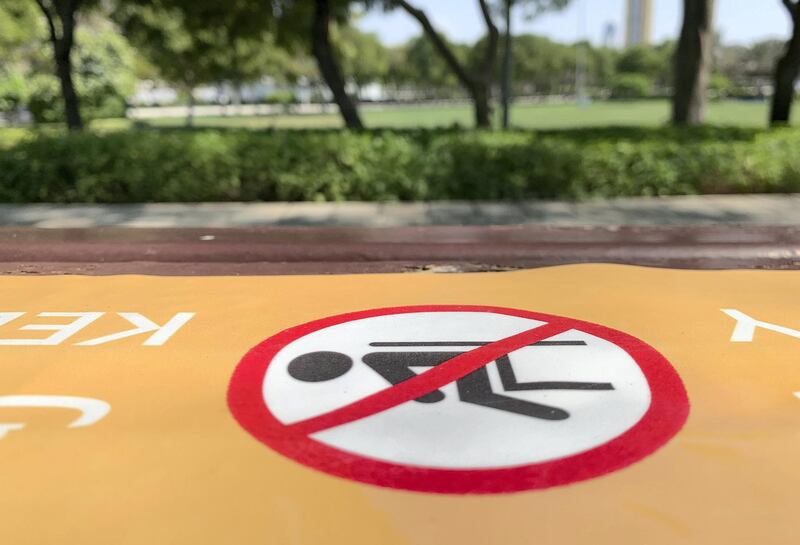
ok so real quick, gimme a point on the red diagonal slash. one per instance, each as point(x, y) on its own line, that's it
point(445, 373)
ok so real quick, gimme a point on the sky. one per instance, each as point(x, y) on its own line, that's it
point(739, 21)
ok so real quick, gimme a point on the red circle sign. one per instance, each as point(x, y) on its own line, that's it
point(458, 399)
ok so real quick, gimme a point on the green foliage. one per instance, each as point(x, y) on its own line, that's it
point(655, 62)
point(20, 21)
point(282, 97)
point(219, 165)
point(44, 99)
point(194, 42)
point(102, 66)
point(542, 66)
point(13, 91)
point(602, 66)
point(641, 59)
point(361, 54)
point(631, 86)
point(103, 73)
point(20, 30)
point(739, 62)
point(417, 63)
point(720, 86)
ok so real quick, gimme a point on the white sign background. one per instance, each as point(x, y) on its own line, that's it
point(452, 434)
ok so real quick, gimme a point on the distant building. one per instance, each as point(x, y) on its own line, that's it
point(609, 34)
point(638, 22)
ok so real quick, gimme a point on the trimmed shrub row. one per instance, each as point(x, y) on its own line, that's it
point(149, 165)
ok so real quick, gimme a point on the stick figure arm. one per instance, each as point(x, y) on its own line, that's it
point(510, 384)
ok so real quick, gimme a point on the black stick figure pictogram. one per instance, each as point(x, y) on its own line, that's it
point(474, 388)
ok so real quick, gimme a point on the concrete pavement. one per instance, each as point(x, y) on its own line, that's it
point(688, 210)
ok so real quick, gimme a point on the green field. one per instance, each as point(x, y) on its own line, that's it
point(528, 116)
point(650, 113)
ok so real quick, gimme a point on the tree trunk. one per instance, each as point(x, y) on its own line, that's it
point(508, 56)
point(62, 40)
point(322, 49)
point(483, 110)
point(190, 109)
point(72, 109)
point(692, 62)
point(487, 70)
point(478, 83)
point(786, 72)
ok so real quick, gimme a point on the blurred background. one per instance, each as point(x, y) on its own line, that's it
point(132, 101)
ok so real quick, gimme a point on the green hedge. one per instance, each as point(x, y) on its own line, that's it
point(149, 165)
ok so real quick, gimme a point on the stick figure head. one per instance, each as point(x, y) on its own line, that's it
point(319, 366)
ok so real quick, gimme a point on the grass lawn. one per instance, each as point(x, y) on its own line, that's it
point(529, 116)
point(650, 113)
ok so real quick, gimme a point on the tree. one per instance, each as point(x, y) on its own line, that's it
point(323, 50)
point(103, 73)
point(309, 22)
point(650, 61)
point(787, 70)
point(18, 27)
point(602, 66)
point(508, 60)
point(749, 69)
point(541, 65)
point(193, 42)
point(19, 38)
point(363, 56)
point(761, 57)
point(61, 16)
point(644, 59)
point(101, 59)
point(536, 7)
point(478, 80)
point(201, 41)
point(692, 62)
point(631, 86)
point(416, 64)
point(159, 34)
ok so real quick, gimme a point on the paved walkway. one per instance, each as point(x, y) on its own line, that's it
point(725, 209)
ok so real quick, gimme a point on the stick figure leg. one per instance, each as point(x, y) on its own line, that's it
point(510, 384)
point(475, 388)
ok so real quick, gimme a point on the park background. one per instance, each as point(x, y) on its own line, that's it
point(177, 100)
